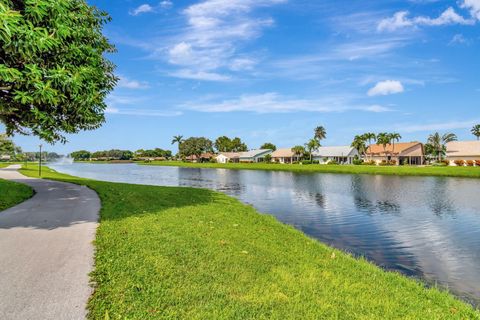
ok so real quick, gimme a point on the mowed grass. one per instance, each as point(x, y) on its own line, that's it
point(12, 193)
point(183, 253)
point(466, 172)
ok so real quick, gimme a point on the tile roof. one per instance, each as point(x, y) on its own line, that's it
point(399, 148)
point(463, 149)
point(283, 153)
point(230, 155)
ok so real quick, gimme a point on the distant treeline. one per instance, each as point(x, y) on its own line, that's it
point(116, 154)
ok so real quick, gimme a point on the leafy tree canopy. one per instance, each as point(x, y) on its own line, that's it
point(81, 155)
point(269, 145)
point(195, 146)
point(157, 152)
point(225, 144)
point(54, 76)
point(114, 154)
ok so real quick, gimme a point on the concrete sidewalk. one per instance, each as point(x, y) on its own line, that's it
point(46, 250)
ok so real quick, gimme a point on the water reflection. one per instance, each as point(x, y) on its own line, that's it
point(421, 226)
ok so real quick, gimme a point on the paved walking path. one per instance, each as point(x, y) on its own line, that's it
point(46, 250)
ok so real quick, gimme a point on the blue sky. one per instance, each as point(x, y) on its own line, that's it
point(272, 70)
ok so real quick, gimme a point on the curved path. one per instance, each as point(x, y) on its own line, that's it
point(46, 250)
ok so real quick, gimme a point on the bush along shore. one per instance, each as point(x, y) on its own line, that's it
point(183, 253)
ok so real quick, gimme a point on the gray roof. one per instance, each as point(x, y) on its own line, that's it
point(255, 153)
point(343, 151)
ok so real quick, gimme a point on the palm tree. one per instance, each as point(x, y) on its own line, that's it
point(370, 136)
point(178, 140)
point(438, 142)
point(384, 139)
point(320, 133)
point(476, 131)
point(298, 151)
point(359, 143)
point(395, 137)
point(312, 145)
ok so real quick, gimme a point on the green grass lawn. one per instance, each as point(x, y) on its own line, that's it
point(468, 172)
point(12, 193)
point(183, 253)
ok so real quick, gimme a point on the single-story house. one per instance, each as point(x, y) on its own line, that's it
point(411, 153)
point(463, 150)
point(226, 157)
point(5, 157)
point(342, 154)
point(204, 157)
point(257, 155)
point(285, 155)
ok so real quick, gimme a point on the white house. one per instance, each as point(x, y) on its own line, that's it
point(257, 155)
point(226, 157)
point(342, 155)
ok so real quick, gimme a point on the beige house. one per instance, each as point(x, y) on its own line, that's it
point(285, 155)
point(463, 150)
point(411, 153)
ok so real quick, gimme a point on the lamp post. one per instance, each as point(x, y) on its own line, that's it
point(40, 163)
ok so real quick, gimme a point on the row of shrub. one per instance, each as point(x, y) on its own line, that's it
point(468, 163)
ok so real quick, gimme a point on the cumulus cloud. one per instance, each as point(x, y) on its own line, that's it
point(214, 32)
point(144, 8)
point(166, 4)
point(387, 87)
point(199, 75)
point(402, 20)
point(127, 83)
point(473, 6)
point(273, 102)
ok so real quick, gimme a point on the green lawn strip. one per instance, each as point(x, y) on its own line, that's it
point(12, 193)
point(467, 172)
point(183, 253)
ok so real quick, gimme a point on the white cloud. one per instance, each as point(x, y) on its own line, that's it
point(473, 6)
point(387, 87)
point(458, 39)
point(214, 32)
point(124, 82)
point(242, 64)
point(199, 75)
point(144, 8)
point(166, 4)
point(401, 20)
point(273, 102)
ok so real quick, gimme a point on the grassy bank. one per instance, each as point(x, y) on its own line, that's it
point(182, 253)
point(12, 193)
point(467, 172)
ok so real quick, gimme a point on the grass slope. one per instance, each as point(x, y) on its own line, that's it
point(467, 172)
point(12, 193)
point(182, 253)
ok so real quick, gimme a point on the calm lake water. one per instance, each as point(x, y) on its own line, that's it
point(425, 227)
